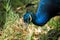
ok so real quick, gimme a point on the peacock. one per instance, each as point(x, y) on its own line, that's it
point(46, 10)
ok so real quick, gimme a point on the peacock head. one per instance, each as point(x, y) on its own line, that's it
point(28, 15)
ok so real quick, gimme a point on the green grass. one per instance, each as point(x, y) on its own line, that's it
point(13, 30)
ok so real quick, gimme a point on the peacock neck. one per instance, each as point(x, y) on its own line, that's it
point(42, 15)
point(43, 7)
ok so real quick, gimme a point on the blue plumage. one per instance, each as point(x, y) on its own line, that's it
point(46, 10)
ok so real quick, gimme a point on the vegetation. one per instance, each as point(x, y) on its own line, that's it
point(12, 26)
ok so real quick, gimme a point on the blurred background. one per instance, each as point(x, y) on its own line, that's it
point(12, 26)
